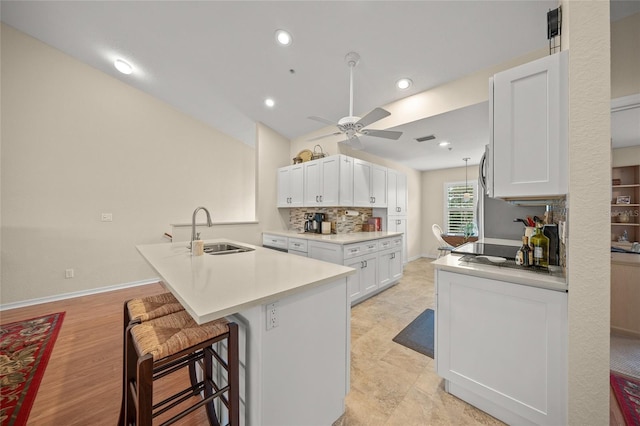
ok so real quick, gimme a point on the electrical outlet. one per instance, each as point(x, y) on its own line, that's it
point(106, 217)
point(68, 273)
point(272, 315)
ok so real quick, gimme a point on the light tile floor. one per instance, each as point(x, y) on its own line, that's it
point(392, 384)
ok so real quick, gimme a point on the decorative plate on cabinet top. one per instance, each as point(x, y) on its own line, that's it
point(305, 154)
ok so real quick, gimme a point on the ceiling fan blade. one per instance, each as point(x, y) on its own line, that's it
point(324, 136)
point(323, 120)
point(372, 117)
point(388, 134)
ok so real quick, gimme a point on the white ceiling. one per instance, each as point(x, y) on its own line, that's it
point(218, 61)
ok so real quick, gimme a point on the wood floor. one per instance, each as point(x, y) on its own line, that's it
point(82, 382)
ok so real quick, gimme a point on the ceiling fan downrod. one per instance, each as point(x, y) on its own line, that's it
point(352, 59)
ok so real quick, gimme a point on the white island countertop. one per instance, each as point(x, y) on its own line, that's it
point(452, 263)
point(346, 238)
point(214, 286)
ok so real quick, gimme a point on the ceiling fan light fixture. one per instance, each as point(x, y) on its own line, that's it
point(283, 37)
point(444, 144)
point(269, 102)
point(123, 66)
point(404, 83)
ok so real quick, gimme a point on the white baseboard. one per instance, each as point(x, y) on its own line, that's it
point(57, 297)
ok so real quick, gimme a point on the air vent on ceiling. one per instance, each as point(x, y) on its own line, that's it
point(426, 138)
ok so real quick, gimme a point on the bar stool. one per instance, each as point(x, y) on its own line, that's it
point(166, 344)
point(145, 309)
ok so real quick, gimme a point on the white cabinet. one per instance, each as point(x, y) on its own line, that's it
point(389, 266)
point(399, 224)
point(369, 184)
point(529, 129)
point(327, 252)
point(364, 281)
point(298, 247)
point(396, 193)
point(290, 186)
point(503, 347)
point(275, 241)
point(328, 181)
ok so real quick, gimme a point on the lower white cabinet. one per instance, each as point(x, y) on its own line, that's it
point(364, 281)
point(378, 263)
point(503, 347)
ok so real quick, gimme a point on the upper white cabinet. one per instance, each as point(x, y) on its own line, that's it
point(290, 186)
point(329, 181)
point(396, 193)
point(529, 129)
point(369, 184)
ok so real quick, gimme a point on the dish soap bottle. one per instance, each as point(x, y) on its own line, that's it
point(540, 244)
point(524, 254)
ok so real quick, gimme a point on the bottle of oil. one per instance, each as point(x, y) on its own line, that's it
point(524, 253)
point(540, 244)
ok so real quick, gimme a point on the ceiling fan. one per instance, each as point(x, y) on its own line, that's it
point(353, 126)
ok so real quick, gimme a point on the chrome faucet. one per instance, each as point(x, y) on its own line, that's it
point(193, 224)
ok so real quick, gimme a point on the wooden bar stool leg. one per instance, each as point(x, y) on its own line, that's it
point(208, 387)
point(233, 375)
point(130, 362)
point(145, 390)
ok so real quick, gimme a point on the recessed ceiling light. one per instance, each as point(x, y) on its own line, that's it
point(283, 37)
point(269, 102)
point(444, 143)
point(404, 83)
point(123, 66)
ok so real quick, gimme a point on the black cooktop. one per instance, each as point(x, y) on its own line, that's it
point(498, 250)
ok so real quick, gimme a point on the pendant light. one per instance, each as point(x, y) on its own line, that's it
point(466, 196)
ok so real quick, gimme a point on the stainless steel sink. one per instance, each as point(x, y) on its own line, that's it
point(224, 248)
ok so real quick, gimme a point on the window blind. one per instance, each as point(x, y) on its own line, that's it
point(458, 211)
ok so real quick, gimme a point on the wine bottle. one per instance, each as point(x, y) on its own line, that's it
point(540, 244)
point(524, 253)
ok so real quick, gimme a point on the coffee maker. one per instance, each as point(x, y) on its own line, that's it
point(313, 222)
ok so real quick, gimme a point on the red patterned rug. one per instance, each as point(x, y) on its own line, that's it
point(627, 392)
point(25, 347)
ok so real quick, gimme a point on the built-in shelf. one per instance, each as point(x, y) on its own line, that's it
point(627, 179)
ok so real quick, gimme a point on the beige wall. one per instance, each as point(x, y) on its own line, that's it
point(76, 143)
point(586, 35)
point(629, 156)
point(433, 202)
point(625, 56)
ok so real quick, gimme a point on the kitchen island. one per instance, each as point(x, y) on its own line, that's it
point(501, 339)
point(294, 320)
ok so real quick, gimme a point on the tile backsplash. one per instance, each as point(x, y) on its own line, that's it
point(340, 224)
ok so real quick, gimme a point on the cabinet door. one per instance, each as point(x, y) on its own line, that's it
point(330, 181)
point(401, 193)
point(284, 178)
point(395, 266)
point(354, 282)
point(504, 342)
point(529, 142)
point(346, 181)
point(369, 274)
point(378, 186)
point(384, 268)
point(361, 177)
point(296, 185)
point(312, 183)
point(392, 195)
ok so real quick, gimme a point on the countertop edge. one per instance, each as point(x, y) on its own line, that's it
point(342, 239)
point(502, 274)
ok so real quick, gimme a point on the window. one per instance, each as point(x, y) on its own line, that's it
point(458, 211)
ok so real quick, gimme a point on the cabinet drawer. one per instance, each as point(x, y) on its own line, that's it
point(359, 249)
point(387, 243)
point(297, 244)
point(274, 241)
